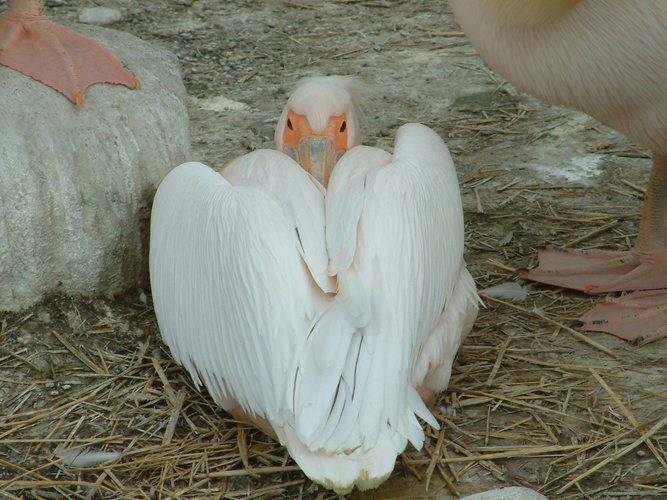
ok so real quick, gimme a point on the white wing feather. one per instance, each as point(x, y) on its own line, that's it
point(301, 198)
point(394, 229)
point(230, 275)
point(240, 272)
point(434, 366)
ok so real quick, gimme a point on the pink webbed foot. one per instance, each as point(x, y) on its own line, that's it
point(640, 317)
point(600, 271)
point(57, 56)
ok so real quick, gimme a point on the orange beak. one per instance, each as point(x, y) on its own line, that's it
point(316, 152)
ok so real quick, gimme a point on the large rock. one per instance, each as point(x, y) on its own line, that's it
point(507, 493)
point(75, 186)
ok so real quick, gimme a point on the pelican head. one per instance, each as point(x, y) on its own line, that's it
point(320, 122)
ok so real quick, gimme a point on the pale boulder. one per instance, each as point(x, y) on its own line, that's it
point(76, 186)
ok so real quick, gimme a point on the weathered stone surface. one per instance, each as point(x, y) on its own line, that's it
point(75, 186)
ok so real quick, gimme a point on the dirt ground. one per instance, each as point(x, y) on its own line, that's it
point(530, 403)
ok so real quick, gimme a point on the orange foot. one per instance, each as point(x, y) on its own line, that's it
point(56, 56)
point(640, 317)
point(600, 271)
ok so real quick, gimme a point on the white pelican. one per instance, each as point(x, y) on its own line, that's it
point(55, 55)
point(319, 316)
point(607, 58)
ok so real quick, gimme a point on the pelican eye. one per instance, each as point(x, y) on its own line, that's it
point(343, 126)
point(289, 124)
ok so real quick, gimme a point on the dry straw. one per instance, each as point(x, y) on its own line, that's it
point(531, 400)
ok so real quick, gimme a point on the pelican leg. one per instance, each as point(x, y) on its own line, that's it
point(642, 268)
point(54, 55)
point(641, 316)
point(427, 395)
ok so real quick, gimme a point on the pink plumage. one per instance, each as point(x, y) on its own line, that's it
point(609, 59)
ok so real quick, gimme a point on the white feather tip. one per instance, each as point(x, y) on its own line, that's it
point(506, 291)
point(77, 457)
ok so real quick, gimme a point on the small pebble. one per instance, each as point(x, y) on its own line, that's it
point(54, 393)
point(103, 307)
point(143, 299)
point(641, 453)
point(44, 317)
point(99, 15)
point(447, 410)
point(26, 338)
point(65, 387)
point(39, 404)
point(73, 320)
